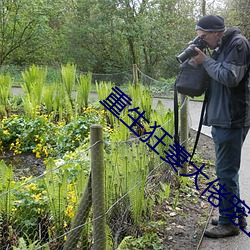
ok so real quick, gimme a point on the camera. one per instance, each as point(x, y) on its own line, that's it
point(190, 51)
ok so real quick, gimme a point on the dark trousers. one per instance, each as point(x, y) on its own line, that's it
point(228, 145)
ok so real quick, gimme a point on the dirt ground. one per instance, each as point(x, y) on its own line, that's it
point(187, 225)
point(184, 226)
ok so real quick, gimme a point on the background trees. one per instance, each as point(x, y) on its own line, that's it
point(107, 36)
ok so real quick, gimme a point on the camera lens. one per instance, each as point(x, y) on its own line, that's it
point(190, 51)
point(187, 53)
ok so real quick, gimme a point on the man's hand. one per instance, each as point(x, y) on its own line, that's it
point(200, 58)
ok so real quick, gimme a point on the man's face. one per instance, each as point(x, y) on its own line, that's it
point(211, 38)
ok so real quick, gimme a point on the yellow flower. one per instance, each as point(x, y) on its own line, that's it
point(31, 186)
point(38, 156)
point(14, 209)
point(69, 211)
point(37, 196)
point(6, 132)
point(73, 199)
point(45, 151)
point(16, 152)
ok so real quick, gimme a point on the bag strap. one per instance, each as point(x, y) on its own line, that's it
point(176, 120)
point(176, 115)
point(200, 125)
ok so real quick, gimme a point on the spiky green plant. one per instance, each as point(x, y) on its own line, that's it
point(56, 185)
point(62, 106)
point(68, 74)
point(126, 172)
point(33, 85)
point(5, 90)
point(48, 97)
point(6, 184)
point(142, 98)
point(165, 119)
point(83, 90)
point(104, 89)
point(165, 190)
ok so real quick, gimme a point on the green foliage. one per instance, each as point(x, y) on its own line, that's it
point(164, 118)
point(104, 89)
point(5, 90)
point(22, 245)
point(23, 25)
point(33, 85)
point(141, 97)
point(176, 199)
point(55, 196)
point(48, 98)
point(83, 91)
point(165, 191)
point(147, 241)
point(103, 36)
point(6, 184)
point(57, 188)
point(29, 207)
point(68, 74)
point(125, 173)
point(51, 199)
point(43, 137)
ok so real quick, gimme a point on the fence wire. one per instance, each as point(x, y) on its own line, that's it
point(48, 230)
point(39, 213)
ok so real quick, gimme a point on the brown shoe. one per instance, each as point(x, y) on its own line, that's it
point(242, 222)
point(221, 231)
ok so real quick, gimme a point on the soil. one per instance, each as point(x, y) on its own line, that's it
point(186, 228)
point(25, 164)
point(182, 226)
point(179, 227)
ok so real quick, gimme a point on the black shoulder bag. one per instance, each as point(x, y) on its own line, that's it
point(192, 81)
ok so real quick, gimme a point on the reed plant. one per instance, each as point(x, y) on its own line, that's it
point(56, 184)
point(6, 184)
point(48, 98)
point(5, 90)
point(68, 75)
point(62, 106)
point(83, 91)
point(34, 80)
point(164, 118)
point(126, 172)
point(104, 89)
point(141, 97)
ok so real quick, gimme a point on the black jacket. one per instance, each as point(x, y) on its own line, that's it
point(229, 90)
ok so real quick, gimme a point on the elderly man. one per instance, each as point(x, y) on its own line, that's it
point(228, 112)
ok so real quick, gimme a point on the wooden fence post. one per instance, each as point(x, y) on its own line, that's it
point(98, 195)
point(135, 74)
point(80, 218)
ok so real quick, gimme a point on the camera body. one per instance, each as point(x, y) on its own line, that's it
point(190, 51)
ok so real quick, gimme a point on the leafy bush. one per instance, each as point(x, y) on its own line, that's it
point(43, 137)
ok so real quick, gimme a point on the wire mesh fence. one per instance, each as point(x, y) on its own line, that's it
point(55, 209)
